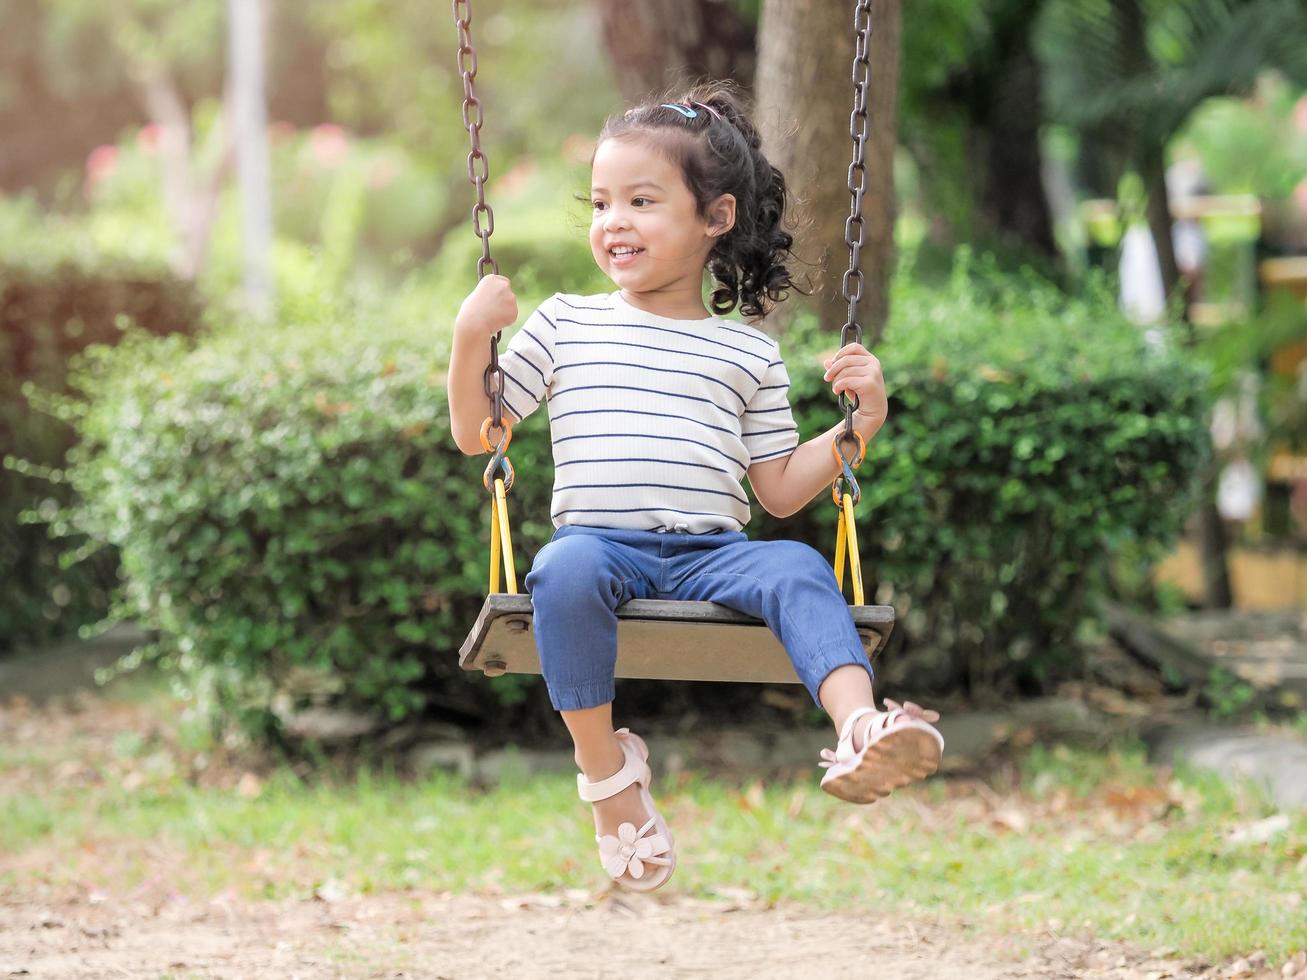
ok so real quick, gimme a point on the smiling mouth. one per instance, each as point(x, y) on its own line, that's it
point(621, 256)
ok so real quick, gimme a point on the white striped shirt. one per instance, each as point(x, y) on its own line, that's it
point(654, 421)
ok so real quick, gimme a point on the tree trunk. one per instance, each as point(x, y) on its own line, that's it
point(658, 44)
point(1006, 136)
point(805, 97)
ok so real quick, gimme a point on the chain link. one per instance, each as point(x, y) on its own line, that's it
point(478, 172)
point(854, 237)
point(854, 227)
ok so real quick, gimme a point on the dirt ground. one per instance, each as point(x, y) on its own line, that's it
point(78, 932)
point(579, 935)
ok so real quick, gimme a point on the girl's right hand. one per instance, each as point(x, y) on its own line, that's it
point(489, 308)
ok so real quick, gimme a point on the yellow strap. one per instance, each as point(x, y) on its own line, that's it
point(839, 553)
point(855, 563)
point(499, 532)
point(494, 549)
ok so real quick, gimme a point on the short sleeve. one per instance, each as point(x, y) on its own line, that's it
point(528, 361)
point(768, 426)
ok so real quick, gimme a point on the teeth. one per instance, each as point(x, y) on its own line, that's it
point(624, 251)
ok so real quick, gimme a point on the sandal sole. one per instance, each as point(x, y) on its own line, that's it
point(900, 758)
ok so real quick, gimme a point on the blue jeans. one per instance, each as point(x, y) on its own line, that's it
point(584, 573)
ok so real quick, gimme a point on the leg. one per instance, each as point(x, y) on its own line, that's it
point(599, 756)
point(576, 583)
point(790, 587)
point(844, 690)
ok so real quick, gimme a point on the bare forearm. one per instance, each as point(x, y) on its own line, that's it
point(465, 387)
point(812, 467)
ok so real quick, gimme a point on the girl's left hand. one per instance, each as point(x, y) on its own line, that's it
point(854, 370)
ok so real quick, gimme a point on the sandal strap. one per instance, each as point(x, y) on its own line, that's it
point(601, 789)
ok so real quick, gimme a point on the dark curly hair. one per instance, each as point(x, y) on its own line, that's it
point(718, 152)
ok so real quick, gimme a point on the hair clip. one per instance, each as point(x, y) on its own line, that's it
point(684, 110)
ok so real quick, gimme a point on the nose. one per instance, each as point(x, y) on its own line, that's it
point(616, 217)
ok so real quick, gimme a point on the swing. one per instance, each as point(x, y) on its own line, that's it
point(658, 638)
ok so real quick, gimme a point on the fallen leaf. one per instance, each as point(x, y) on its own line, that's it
point(249, 786)
point(1260, 831)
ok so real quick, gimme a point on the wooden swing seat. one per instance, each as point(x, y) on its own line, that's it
point(660, 639)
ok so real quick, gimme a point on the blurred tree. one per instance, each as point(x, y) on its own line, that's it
point(805, 98)
point(661, 43)
point(65, 91)
point(972, 111)
point(59, 96)
point(160, 42)
point(1127, 74)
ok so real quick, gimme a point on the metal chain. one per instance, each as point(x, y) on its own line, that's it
point(478, 172)
point(858, 129)
point(854, 237)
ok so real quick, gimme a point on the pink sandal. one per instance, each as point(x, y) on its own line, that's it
point(899, 746)
point(640, 859)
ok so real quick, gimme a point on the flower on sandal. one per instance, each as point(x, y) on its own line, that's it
point(630, 850)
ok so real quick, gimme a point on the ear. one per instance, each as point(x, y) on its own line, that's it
point(721, 215)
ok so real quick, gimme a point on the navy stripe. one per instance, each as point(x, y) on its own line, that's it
point(520, 385)
point(749, 335)
point(779, 452)
point(764, 411)
point(631, 411)
point(644, 459)
point(647, 391)
point(771, 387)
point(537, 339)
point(509, 406)
point(527, 361)
point(572, 306)
point(662, 350)
point(678, 333)
point(663, 486)
point(767, 432)
point(638, 510)
point(693, 374)
point(637, 435)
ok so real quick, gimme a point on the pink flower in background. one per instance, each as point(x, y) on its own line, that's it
point(100, 163)
point(382, 172)
point(1300, 114)
point(1300, 195)
point(329, 144)
point(148, 138)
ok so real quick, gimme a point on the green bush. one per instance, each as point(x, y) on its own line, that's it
point(1030, 436)
point(52, 305)
point(296, 522)
point(293, 517)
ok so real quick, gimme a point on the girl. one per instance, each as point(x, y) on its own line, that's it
point(657, 409)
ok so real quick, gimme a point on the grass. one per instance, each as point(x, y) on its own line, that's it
point(1060, 839)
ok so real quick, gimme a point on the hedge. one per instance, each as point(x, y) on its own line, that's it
point(296, 523)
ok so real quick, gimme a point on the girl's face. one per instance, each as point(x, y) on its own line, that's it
point(646, 234)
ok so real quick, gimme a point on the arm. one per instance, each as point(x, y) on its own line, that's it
point(785, 486)
point(490, 308)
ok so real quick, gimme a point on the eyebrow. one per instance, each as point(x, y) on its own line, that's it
point(638, 183)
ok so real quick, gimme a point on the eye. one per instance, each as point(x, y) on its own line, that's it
point(597, 205)
point(645, 199)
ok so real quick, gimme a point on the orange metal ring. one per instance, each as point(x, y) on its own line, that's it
point(485, 435)
point(862, 450)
